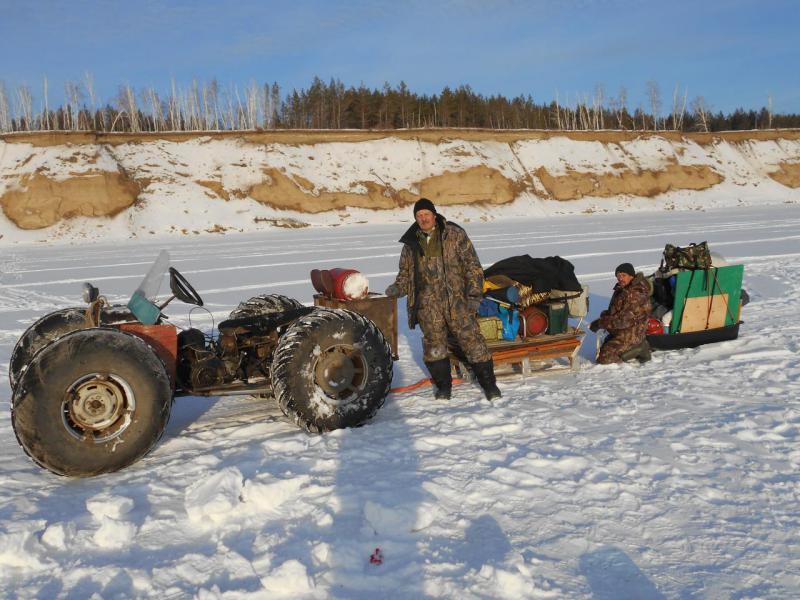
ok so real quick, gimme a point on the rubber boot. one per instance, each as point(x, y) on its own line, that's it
point(484, 372)
point(640, 351)
point(644, 355)
point(442, 379)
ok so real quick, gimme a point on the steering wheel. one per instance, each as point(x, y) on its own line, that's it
point(182, 289)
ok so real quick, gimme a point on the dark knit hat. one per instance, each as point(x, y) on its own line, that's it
point(424, 204)
point(625, 268)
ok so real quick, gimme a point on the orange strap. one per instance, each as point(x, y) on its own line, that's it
point(419, 384)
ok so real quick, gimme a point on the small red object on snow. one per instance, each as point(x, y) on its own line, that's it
point(376, 558)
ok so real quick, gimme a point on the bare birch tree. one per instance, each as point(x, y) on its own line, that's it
point(654, 95)
point(622, 107)
point(152, 99)
point(597, 107)
point(88, 84)
point(24, 108)
point(678, 108)
point(251, 105)
point(583, 112)
point(192, 107)
point(173, 108)
point(45, 107)
point(73, 93)
point(5, 113)
point(700, 109)
point(240, 112)
point(130, 107)
point(558, 114)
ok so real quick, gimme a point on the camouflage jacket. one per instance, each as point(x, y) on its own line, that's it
point(458, 279)
point(628, 309)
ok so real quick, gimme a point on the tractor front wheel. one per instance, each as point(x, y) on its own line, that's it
point(94, 401)
point(51, 327)
point(47, 329)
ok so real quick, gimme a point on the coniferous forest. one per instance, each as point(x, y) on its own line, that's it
point(213, 107)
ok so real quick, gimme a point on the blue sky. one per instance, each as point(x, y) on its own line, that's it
point(732, 52)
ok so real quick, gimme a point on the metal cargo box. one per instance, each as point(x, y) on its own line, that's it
point(378, 308)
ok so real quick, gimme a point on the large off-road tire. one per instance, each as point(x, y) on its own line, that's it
point(264, 304)
point(331, 369)
point(44, 331)
point(92, 402)
point(51, 327)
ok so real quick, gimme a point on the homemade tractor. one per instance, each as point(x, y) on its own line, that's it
point(93, 387)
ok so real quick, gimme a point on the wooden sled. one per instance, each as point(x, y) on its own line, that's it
point(538, 355)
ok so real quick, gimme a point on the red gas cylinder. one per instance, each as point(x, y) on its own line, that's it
point(349, 284)
point(654, 326)
point(535, 321)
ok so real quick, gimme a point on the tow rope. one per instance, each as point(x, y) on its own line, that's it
point(419, 384)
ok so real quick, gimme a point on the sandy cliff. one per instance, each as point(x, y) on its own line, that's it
point(122, 185)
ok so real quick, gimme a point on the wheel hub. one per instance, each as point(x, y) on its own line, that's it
point(98, 406)
point(340, 371)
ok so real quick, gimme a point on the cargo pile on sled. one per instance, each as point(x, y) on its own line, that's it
point(525, 316)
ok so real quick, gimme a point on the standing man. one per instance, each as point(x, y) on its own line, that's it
point(626, 318)
point(443, 280)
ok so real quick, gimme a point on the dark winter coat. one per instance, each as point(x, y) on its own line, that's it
point(626, 318)
point(459, 270)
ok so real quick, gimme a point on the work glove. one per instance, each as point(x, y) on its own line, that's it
point(594, 326)
point(393, 291)
point(473, 304)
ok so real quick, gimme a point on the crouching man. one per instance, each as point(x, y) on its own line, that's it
point(626, 319)
point(442, 278)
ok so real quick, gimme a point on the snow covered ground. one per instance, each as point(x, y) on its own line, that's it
point(673, 479)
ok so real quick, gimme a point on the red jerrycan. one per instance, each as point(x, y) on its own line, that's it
point(349, 284)
point(322, 282)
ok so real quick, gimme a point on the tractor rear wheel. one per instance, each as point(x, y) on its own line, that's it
point(331, 369)
point(264, 304)
point(94, 401)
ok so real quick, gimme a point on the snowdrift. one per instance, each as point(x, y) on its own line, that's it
point(115, 186)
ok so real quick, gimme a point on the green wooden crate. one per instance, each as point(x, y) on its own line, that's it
point(701, 284)
point(557, 314)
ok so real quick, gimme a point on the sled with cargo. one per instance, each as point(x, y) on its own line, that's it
point(705, 301)
point(93, 386)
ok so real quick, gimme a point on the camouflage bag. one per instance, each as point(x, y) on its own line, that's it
point(693, 256)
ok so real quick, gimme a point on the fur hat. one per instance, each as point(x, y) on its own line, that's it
point(625, 268)
point(424, 204)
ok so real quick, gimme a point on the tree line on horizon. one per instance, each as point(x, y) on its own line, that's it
point(212, 107)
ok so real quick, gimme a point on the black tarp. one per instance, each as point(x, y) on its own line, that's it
point(542, 274)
